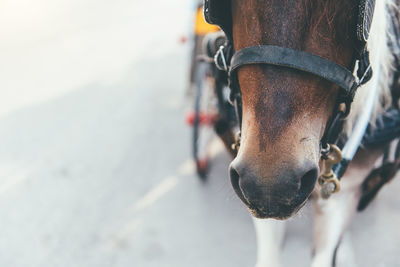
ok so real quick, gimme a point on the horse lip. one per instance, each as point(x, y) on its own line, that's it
point(269, 215)
point(277, 214)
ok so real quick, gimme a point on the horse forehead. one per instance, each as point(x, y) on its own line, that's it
point(277, 24)
point(289, 22)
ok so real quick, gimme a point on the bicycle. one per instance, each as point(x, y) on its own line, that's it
point(212, 113)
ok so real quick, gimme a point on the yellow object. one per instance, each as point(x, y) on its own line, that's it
point(201, 27)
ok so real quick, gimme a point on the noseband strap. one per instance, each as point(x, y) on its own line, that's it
point(299, 60)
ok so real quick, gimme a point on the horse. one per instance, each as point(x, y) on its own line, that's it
point(302, 73)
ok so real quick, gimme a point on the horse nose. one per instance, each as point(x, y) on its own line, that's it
point(273, 194)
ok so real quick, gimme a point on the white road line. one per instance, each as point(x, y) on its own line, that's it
point(165, 186)
point(127, 230)
point(156, 193)
point(121, 238)
point(11, 177)
point(169, 183)
point(187, 168)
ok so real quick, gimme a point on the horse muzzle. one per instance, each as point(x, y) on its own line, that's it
point(278, 195)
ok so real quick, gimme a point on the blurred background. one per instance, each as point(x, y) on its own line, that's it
point(96, 161)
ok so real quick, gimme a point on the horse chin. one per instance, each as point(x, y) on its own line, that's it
point(281, 214)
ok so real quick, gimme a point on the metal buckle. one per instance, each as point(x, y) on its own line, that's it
point(325, 151)
point(328, 180)
point(220, 54)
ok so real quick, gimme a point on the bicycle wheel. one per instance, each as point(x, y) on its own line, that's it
point(205, 114)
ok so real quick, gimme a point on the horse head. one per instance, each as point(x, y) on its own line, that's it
point(285, 111)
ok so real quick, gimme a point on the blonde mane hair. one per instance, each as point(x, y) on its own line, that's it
point(380, 36)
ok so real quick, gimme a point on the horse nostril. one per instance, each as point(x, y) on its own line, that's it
point(234, 175)
point(235, 180)
point(307, 183)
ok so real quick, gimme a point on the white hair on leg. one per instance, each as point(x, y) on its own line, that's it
point(269, 235)
point(332, 216)
point(346, 253)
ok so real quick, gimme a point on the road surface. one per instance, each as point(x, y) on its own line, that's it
point(95, 163)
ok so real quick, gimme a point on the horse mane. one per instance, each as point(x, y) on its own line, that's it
point(378, 43)
point(339, 16)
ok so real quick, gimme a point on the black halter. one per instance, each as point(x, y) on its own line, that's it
point(219, 12)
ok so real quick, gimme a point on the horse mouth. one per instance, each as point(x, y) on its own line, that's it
point(278, 214)
point(281, 213)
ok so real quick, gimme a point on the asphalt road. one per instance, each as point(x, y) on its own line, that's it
point(95, 163)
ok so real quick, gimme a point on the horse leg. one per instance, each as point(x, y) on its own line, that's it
point(269, 234)
point(332, 216)
point(331, 219)
point(380, 176)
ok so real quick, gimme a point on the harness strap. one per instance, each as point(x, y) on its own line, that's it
point(300, 60)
